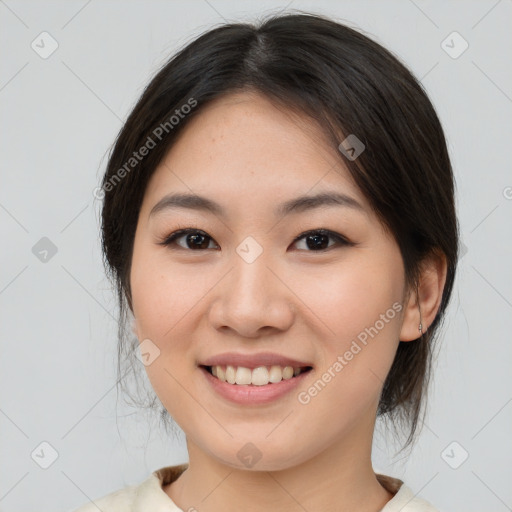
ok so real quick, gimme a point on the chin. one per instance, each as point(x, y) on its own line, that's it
point(253, 457)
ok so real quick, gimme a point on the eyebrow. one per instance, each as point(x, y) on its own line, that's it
point(296, 205)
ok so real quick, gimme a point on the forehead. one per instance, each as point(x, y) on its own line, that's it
point(244, 143)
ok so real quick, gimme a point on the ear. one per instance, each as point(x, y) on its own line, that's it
point(427, 298)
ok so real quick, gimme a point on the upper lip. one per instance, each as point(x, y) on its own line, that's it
point(253, 360)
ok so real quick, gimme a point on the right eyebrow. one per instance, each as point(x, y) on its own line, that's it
point(190, 201)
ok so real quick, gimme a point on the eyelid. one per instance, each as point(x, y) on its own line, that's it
point(178, 233)
point(340, 239)
point(323, 231)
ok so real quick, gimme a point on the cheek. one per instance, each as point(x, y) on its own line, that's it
point(164, 297)
point(167, 302)
point(354, 296)
point(162, 293)
point(359, 310)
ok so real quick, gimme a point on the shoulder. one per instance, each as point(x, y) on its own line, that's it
point(404, 499)
point(147, 495)
point(120, 500)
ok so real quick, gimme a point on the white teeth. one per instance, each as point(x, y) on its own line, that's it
point(243, 376)
point(260, 376)
point(230, 374)
point(276, 374)
point(287, 372)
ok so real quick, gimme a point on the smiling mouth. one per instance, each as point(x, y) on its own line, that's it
point(259, 376)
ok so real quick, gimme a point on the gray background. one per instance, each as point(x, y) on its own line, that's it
point(60, 115)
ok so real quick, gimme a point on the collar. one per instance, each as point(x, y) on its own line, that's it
point(149, 495)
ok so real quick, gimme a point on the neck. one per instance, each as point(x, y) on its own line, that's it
point(340, 478)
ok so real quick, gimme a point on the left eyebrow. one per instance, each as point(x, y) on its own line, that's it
point(305, 203)
point(296, 205)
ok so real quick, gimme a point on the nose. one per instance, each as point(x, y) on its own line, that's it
point(252, 300)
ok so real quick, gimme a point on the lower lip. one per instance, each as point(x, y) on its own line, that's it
point(250, 394)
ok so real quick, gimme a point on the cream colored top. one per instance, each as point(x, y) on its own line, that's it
point(149, 496)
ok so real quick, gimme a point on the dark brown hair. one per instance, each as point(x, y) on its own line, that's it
point(347, 83)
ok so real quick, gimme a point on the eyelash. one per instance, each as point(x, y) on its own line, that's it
point(171, 239)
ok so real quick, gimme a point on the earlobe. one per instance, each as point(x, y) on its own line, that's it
point(423, 304)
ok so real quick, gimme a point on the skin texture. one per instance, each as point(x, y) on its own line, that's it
point(248, 155)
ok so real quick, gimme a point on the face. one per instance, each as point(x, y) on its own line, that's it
point(264, 279)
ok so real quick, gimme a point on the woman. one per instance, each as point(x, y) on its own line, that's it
point(279, 220)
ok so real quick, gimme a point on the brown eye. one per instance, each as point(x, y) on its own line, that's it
point(318, 240)
point(194, 239)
